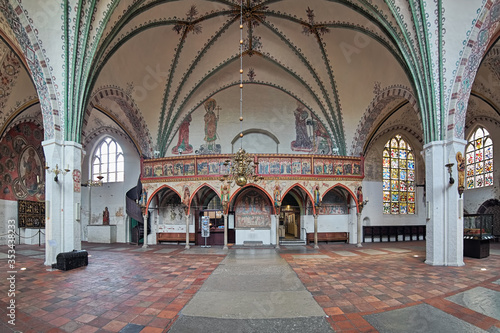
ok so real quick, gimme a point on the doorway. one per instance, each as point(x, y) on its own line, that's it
point(290, 224)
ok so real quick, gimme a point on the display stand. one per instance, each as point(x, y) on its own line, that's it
point(477, 235)
point(205, 229)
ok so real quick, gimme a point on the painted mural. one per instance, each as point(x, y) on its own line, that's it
point(271, 165)
point(252, 210)
point(183, 146)
point(333, 203)
point(22, 164)
point(310, 134)
point(9, 70)
point(211, 119)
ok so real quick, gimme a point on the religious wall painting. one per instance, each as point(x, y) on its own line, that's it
point(264, 166)
point(252, 210)
point(178, 168)
point(356, 168)
point(202, 166)
point(211, 121)
point(302, 140)
point(306, 167)
point(148, 171)
point(171, 212)
point(296, 166)
point(183, 146)
point(338, 168)
point(274, 166)
point(22, 164)
point(347, 169)
point(327, 167)
point(189, 168)
point(158, 170)
point(286, 166)
point(168, 169)
point(318, 167)
point(213, 167)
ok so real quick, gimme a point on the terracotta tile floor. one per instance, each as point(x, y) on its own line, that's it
point(115, 289)
point(129, 290)
point(348, 287)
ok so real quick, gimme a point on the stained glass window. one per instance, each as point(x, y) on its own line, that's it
point(479, 158)
point(108, 161)
point(398, 173)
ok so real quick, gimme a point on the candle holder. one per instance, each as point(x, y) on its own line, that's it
point(449, 165)
point(57, 171)
point(94, 183)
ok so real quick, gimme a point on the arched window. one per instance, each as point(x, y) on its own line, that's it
point(108, 161)
point(398, 177)
point(479, 155)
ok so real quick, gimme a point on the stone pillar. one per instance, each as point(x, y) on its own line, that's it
point(225, 232)
point(444, 238)
point(62, 198)
point(316, 231)
point(145, 221)
point(187, 231)
point(358, 215)
point(277, 231)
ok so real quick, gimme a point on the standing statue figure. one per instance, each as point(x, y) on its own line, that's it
point(105, 216)
point(210, 123)
point(359, 194)
point(224, 190)
point(277, 197)
point(144, 198)
point(317, 196)
point(461, 170)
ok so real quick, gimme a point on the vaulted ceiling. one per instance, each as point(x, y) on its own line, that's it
point(330, 56)
point(148, 64)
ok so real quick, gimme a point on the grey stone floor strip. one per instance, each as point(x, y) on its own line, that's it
point(371, 251)
point(419, 318)
point(345, 253)
point(311, 256)
point(188, 324)
point(479, 299)
point(252, 290)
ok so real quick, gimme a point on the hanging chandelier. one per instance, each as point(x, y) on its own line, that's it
point(241, 169)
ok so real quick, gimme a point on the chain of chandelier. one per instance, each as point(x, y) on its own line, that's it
point(242, 168)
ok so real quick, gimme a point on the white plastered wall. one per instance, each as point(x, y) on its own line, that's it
point(111, 195)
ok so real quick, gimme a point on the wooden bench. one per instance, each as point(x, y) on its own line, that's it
point(173, 237)
point(329, 237)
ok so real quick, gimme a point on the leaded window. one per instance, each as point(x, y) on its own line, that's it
point(479, 157)
point(398, 177)
point(108, 161)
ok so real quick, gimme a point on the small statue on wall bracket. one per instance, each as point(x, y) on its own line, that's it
point(461, 172)
point(105, 216)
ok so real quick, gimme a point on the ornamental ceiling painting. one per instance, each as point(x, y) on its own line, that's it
point(319, 76)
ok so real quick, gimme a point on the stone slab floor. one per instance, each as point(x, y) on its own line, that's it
point(381, 287)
